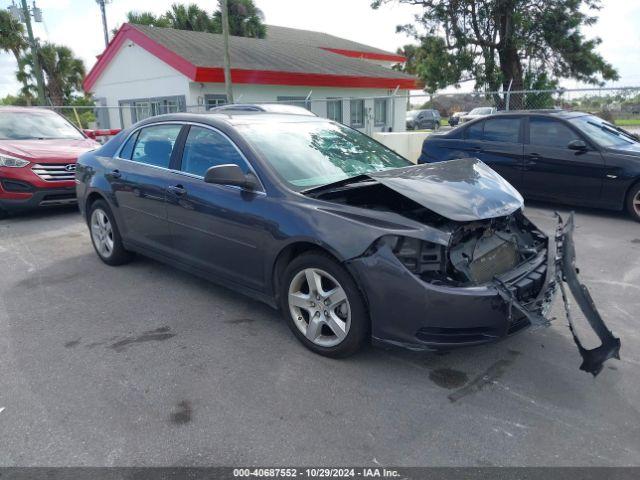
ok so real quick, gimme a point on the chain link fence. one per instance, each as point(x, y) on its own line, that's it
point(386, 113)
point(616, 105)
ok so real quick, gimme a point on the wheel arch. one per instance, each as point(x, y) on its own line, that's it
point(634, 184)
point(297, 248)
point(91, 199)
point(288, 253)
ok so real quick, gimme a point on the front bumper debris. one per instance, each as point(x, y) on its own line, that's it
point(563, 270)
point(566, 272)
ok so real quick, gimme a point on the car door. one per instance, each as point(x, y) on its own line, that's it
point(216, 228)
point(498, 143)
point(140, 177)
point(555, 172)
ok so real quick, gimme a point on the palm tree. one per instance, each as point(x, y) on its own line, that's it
point(12, 40)
point(245, 19)
point(190, 17)
point(63, 71)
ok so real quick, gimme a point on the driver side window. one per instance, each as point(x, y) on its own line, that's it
point(206, 148)
point(548, 132)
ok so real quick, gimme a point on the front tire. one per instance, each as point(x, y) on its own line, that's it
point(323, 305)
point(633, 202)
point(105, 235)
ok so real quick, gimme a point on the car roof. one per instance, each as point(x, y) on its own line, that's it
point(263, 107)
point(545, 112)
point(235, 118)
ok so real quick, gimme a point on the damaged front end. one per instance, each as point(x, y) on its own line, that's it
point(461, 264)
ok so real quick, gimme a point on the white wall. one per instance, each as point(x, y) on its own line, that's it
point(246, 93)
point(135, 73)
point(407, 144)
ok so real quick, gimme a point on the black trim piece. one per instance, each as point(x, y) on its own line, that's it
point(592, 360)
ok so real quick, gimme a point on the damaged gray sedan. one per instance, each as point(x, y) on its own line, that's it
point(351, 241)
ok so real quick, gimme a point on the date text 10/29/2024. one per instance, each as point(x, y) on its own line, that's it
point(315, 472)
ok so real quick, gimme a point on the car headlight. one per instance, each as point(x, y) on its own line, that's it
point(13, 162)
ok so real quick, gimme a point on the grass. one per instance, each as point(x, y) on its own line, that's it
point(628, 122)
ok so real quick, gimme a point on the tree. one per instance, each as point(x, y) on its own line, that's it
point(190, 17)
point(245, 19)
point(63, 71)
point(13, 40)
point(490, 41)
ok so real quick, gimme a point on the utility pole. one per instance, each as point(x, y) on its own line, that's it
point(34, 53)
point(104, 21)
point(227, 58)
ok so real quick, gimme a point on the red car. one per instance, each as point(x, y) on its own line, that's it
point(38, 152)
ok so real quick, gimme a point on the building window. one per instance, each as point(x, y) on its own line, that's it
point(297, 101)
point(357, 113)
point(212, 101)
point(140, 108)
point(334, 110)
point(380, 111)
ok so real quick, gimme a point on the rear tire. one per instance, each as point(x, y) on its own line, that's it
point(105, 235)
point(633, 202)
point(323, 305)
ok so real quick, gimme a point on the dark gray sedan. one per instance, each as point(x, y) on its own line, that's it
point(351, 241)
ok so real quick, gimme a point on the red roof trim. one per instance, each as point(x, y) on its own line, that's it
point(214, 74)
point(386, 57)
point(128, 32)
point(268, 77)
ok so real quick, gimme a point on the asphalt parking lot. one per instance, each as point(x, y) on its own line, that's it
point(145, 365)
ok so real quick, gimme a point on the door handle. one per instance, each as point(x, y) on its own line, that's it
point(116, 174)
point(177, 190)
point(534, 156)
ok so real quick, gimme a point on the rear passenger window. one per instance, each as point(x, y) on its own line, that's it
point(206, 148)
point(550, 133)
point(474, 132)
point(502, 130)
point(155, 144)
point(127, 149)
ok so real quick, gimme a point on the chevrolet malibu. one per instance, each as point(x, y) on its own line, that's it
point(351, 241)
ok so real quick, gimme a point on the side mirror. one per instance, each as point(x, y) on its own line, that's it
point(230, 174)
point(578, 145)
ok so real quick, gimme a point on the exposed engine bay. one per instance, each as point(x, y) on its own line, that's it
point(477, 251)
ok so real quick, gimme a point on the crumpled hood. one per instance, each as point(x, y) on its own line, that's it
point(462, 190)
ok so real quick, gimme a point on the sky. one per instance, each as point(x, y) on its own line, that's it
point(77, 24)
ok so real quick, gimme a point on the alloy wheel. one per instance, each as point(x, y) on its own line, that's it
point(319, 307)
point(636, 203)
point(102, 233)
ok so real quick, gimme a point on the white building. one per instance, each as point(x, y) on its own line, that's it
point(150, 70)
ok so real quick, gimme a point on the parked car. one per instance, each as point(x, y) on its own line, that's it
point(477, 113)
point(38, 151)
point(350, 240)
point(262, 107)
point(423, 119)
point(454, 119)
point(559, 156)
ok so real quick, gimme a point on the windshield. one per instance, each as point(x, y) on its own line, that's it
point(603, 133)
point(480, 111)
point(32, 125)
point(412, 114)
point(309, 154)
